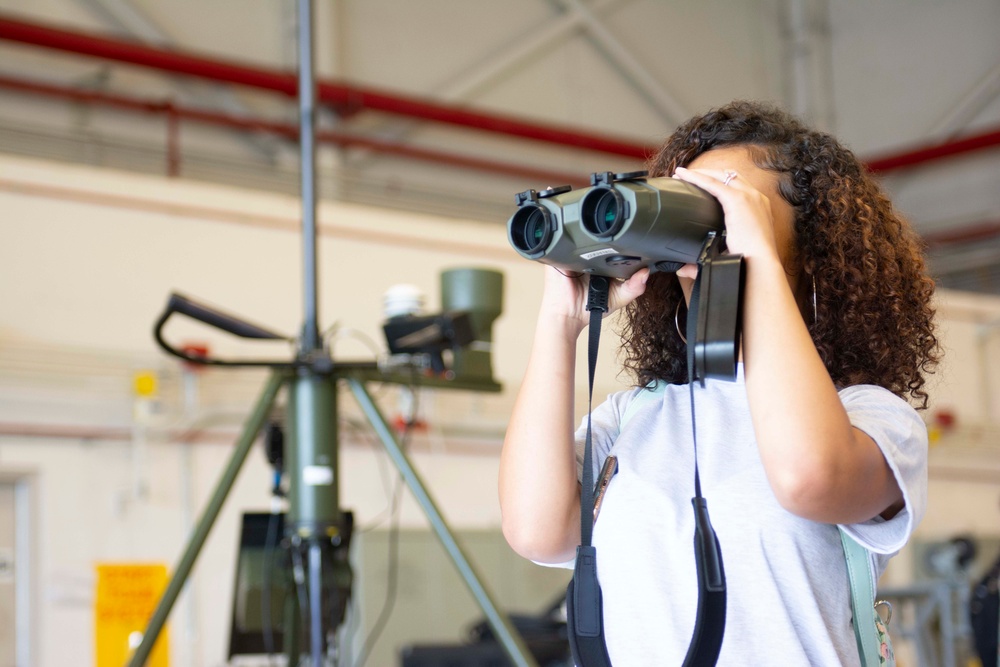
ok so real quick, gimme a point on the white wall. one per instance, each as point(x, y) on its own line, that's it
point(87, 259)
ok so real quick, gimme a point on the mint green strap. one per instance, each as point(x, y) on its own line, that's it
point(652, 390)
point(859, 574)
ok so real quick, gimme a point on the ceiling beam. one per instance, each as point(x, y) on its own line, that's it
point(806, 30)
point(346, 98)
point(663, 103)
point(544, 36)
point(985, 91)
point(250, 125)
point(124, 17)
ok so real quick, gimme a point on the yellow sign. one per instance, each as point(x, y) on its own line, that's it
point(127, 595)
point(144, 384)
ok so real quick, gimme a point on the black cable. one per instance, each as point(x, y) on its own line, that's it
point(382, 461)
point(391, 490)
point(366, 435)
point(299, 577)
point(341, 630)
point(568, 275)
point(270, 542)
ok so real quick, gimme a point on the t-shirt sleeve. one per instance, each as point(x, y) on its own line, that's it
point(605, 427)
point(901, 435)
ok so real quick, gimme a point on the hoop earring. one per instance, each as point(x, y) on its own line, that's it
point(815, 307)
point(677, 323)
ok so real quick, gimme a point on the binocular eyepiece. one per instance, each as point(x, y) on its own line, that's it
point(618, 225)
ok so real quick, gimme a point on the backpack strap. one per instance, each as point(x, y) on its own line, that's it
point(859, 574)
point(643, 396)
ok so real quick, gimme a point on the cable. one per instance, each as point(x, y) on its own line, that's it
point(299, 576)
point(340, 638)
point(393, 577)
point(411, 420)
point(393, 565)
point(335, 331)
point(269, 544)
point(365, 434)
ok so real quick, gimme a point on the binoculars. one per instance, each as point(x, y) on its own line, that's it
point(618, 225)
point(624, 222)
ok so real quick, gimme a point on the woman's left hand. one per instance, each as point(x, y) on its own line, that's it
point(750, 223)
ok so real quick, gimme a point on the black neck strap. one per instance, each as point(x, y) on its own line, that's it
point(584, 598)
point(584, 602)
point(710, 624)
point(587, 490)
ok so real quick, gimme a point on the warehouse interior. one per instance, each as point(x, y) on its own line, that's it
point(150, 149)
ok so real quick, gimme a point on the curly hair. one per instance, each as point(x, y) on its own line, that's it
point(874, 321)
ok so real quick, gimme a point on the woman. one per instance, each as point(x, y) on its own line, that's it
point(816, 432)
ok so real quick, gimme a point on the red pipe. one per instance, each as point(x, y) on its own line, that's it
point(173, 141)
point(932, 152)
point(90, 433)
point(346, 98)
point(965, 234)
point(173, 111)
point(351, 99)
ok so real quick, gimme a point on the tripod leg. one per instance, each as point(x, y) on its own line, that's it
point(316, 603)
point(293, 627)
point(251, 428)
point(511, 642)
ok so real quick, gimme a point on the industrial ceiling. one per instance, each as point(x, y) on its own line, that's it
point(452, 107)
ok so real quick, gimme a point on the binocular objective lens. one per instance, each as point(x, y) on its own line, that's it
point(607, 213)
point(530, 230)
point(535, 229)
point(602, 212)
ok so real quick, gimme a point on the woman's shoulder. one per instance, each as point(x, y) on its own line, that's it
point(889, 419)
point(872, 396)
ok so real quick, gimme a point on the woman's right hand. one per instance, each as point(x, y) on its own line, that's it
point(565, 295)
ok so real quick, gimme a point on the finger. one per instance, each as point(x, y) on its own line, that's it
point(717, 174)
point(715, 181)
point(631, 289)
point(637, 281)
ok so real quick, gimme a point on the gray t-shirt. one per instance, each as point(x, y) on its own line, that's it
point(788, 593)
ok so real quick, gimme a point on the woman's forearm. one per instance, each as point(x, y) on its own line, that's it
point(539, 493)
point(819, 466)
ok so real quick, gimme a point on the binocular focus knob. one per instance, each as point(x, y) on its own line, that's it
point(668, 267)
point(623, 260)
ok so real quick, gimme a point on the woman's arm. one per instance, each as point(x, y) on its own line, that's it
point(819, 466)
point(539, 491)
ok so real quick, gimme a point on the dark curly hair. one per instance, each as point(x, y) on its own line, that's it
point(873, 295)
